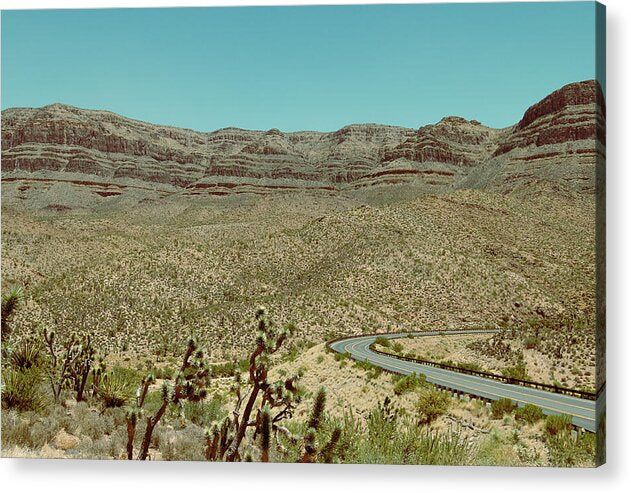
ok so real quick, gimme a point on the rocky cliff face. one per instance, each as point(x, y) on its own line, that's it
point(561, 138)
point(89, 156)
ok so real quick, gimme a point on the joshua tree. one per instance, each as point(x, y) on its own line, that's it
point(310, 452)
point(267, 405)
point(282, 394)
point(10, 301)
point(266, 431)
point(70, 363)
point(190, 384)
point(98, 373)
point(132, 419)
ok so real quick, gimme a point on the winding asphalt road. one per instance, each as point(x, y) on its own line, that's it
point(583, 411)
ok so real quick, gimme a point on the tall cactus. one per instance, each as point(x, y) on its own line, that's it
point(318, 408)
point(212, 437)
point(328, 451)
point(98, 372)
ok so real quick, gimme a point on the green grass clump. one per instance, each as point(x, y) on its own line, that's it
point(373, 371)
point(382, 341)
point(203, 413)
point(529, 414)
point(566, 450)
point(501, 407)
point(163, 372)
point(393, 439)
point(407, 383)
point(557, 423)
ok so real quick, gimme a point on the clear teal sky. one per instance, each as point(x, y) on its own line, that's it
point(299, 68)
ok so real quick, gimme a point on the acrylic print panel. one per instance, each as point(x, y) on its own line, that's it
point(261, 234)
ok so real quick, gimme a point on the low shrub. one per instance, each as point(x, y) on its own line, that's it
point(408, 383)
point(15, 429)
point(295, 350)
point(221, 370)
point(496, 450)
point(531, 342)
point(529, 414)
point(501, 407)
point(517, 371)
point(185, 444)
point(373, 371)
point(382, 341)
point(432, 404)
point(90, 422)
point(470, 366)
point(33, 430)
point(556, 423)
point(341, 356)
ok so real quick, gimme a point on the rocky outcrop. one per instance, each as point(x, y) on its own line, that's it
point(453, 140)
point(559, 138)
point(574, 112)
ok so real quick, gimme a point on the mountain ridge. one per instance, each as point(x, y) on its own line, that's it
point(560, 138)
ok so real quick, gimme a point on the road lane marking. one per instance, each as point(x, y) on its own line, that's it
point(390, 361)
point(368, 352)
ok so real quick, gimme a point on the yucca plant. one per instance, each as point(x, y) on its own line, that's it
point(26, 354)
point(10, 301)
point(20, 389)
point(113, 390)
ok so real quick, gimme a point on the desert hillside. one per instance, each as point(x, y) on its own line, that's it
point(132, 230)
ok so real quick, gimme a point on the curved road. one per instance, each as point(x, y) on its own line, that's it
point(583, 411)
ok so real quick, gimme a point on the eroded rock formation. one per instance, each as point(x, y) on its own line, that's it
point(93, 156)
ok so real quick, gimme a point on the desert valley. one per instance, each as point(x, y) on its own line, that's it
point(156, 241)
